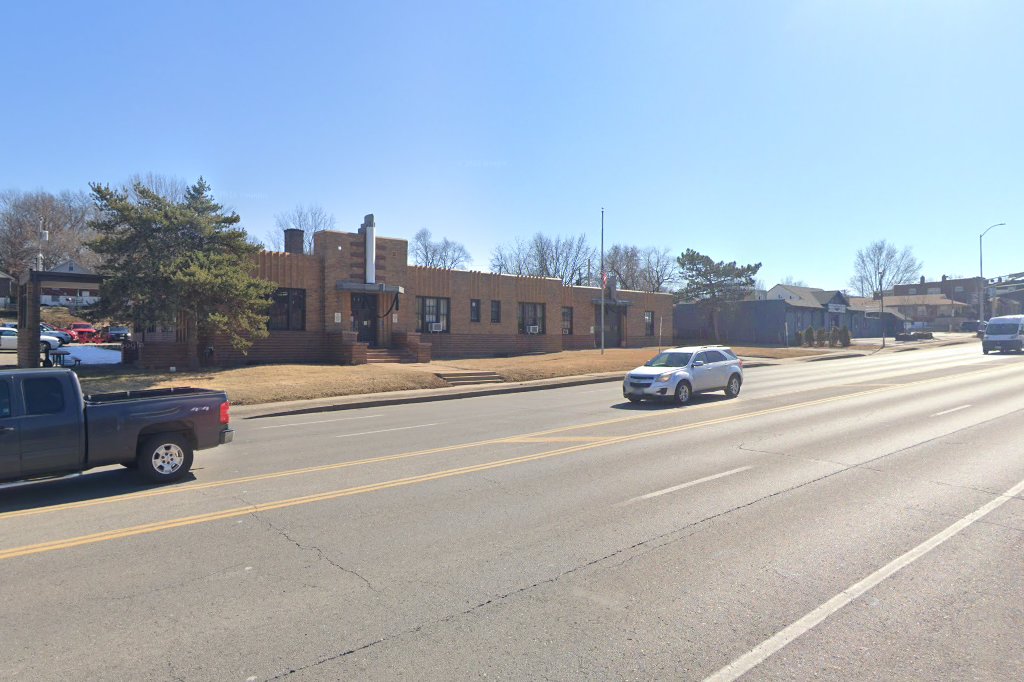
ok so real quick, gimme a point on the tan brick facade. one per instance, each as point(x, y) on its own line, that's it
point(337, 330)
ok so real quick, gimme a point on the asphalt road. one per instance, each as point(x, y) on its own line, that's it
point(850, 519)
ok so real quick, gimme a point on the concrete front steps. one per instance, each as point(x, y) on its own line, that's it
point(382, 355)
point(469, 378)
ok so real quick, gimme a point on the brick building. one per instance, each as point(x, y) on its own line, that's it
point(355, 298)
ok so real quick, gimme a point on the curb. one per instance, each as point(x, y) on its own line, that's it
point(834, 356)
point(359, 401)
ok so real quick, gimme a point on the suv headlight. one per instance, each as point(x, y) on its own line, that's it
point(667, 376)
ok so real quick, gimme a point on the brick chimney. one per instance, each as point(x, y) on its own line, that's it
point(294, 239)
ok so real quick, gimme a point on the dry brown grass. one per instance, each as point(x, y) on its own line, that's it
point(576, 362)
point(271, 383)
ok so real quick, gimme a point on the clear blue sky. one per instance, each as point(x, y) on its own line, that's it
point(790, 132)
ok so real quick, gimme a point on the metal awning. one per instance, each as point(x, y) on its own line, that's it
point(364, 288)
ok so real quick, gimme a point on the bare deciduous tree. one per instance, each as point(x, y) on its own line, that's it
point(570, 259)
point(646, 269)
point(789, 280)
point(311, 219)
point(444, 254)
point(26, 216)
point(165, 186)
point(880, 266)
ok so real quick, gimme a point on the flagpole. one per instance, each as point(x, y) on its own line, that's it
point(603, 281)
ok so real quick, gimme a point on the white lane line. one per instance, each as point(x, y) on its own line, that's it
point(955, 409)
point(674, 488)
point(322, 421)
point(762, 651)
point(399, 428)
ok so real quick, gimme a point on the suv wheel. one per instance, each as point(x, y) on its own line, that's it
point(683, 392)
point(732, 389)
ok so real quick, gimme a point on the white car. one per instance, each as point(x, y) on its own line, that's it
point(680, 372)
point(9, 340)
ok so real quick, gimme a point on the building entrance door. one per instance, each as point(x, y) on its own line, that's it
point(612, 326)
point(364, 318)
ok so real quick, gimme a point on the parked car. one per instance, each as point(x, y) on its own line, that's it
point(64, 336)
point(116, 334)
point(969, 325)
point(1004, 334)
point(47, 427)
point(86, 332)
point(680, 372)
point(9, 340)
point(981, 329)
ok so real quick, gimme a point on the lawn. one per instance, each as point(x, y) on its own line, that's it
point(273, 383)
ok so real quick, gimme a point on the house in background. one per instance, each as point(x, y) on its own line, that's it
point(71, 298)
point(967, 290)
point(784, 311)
point(933, 312)
point(6, 290)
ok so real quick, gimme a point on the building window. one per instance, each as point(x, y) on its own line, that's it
point(913, 290)
point(958, 290)
point(431, 312)
point(531, 318)
point(934, 290)
point(287, 310)
point(474, 310)
point(648, 323)
point(495, 312)
point(567, 320)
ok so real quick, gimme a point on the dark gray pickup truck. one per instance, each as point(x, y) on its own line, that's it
point(47, 427)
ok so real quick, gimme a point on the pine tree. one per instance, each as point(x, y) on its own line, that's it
point(809, 336)
point(187, 261)
point(844, 336)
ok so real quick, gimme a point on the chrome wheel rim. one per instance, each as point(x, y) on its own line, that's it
point(683, 392)
point(168, 458)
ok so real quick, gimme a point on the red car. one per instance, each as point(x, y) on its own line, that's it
point(85, 331)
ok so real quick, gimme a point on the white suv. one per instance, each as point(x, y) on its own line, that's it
point(680, 372)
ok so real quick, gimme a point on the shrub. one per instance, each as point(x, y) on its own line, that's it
point(821, 337)
point(798, 338)
point(833, 337)
point(844, 336)
point(809, 336)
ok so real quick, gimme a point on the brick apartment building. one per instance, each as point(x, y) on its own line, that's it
point(356, 297)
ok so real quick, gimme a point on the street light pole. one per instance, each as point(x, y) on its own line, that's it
point(981, 275)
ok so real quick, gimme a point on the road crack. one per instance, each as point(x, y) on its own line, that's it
point(644, 546)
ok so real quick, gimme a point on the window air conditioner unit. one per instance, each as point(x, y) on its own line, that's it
point(533, 329)
point(436, 327)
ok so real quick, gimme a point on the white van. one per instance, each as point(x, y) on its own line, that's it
point(1004, 334)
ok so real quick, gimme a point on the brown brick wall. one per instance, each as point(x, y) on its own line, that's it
point(340, 256)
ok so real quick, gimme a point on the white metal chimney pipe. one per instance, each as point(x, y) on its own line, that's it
point(370, 231)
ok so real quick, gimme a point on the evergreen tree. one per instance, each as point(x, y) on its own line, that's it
point(809, 336)
point(712, 284)
point(179, 262)
point(844, 336)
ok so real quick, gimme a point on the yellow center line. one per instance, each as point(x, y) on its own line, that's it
point(106, 536)
point(518, 439)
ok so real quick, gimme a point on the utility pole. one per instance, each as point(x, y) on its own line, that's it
point(881, 299)
point(604, 281)
point(981, 275)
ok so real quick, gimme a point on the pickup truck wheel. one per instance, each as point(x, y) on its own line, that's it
point(732, 389)
point(683, 392)
point(164, 457)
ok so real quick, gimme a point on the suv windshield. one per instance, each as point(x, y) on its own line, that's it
point(669, 360)
point(1001, 329)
